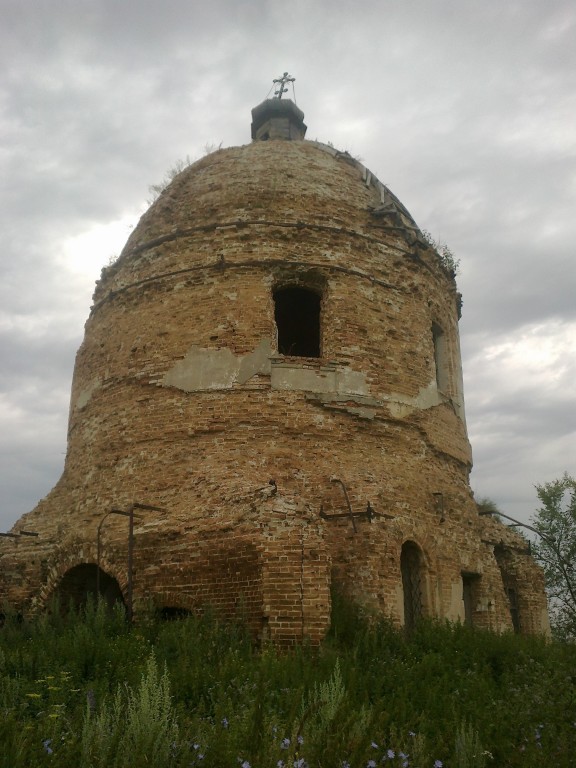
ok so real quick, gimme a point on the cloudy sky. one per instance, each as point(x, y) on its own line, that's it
point(466, 109)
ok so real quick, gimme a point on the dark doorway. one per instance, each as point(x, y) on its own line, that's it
point(78, 585)
point(172, 613)
point(412, 568)
point(506, 566)
point(514, 611)
point(297, 315)
point(470, 583)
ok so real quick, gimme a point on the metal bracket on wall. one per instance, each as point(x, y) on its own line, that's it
point(369, 512)
point(509, 547)
point(129, 513)
point(18, 534)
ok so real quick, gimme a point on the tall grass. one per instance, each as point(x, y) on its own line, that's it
point(89, 691)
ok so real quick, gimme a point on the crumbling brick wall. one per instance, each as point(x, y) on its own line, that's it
point(181, 400)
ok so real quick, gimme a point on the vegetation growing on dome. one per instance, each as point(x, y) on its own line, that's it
point(447, 259)
point(156, 190)
point(179, 165)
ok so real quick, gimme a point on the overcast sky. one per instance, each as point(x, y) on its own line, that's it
point(466, 109)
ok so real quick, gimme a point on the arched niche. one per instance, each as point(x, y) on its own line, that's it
point(84, 582)
point(172, 613)
point(413, 569)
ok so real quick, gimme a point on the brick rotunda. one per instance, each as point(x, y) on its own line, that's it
point(267, 406)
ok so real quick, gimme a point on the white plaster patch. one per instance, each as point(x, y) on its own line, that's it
point(324, 379)
point(349, 381)
point(401, 406)
point(206, 368)
point(255, 362)
point(84, 396)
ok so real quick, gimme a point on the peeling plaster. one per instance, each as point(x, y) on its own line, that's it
point(256, 362)
point(325, 379)
point(401, 406)
point(204, 368)
point(84, 396)
point(211, 368)
point(341, 402)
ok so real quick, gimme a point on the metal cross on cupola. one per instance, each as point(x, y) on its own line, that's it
point(281, 81)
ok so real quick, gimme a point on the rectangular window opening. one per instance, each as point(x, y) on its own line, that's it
point(297, 315)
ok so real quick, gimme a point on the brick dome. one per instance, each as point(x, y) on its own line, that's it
point(273, 364)
point(264, 185)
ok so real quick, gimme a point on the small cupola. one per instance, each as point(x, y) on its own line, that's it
point(278, 118)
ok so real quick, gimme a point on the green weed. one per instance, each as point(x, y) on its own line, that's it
point(86, 690)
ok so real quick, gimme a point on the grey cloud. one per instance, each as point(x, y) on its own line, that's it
point(41, 358)
point(464, 109)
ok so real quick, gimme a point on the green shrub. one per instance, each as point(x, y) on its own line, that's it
point(136, 728)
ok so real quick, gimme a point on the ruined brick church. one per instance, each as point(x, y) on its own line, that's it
point(267, 406)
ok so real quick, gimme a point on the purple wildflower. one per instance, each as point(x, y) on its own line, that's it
point(225, 722)
point(391, 754)
point(46, 743)
point(371, 764)
point(285, 743)
point(300, 739)
point(438, 763)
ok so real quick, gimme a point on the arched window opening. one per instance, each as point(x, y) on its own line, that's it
point(297, 315)
point(78, 586)
point(413, 583)
point(440, 357)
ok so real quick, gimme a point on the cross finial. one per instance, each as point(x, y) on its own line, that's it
point(281, 81)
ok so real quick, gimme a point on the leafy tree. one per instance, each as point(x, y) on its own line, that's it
point(555, 522)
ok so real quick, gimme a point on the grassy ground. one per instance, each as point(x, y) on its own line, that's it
point(88, 690)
